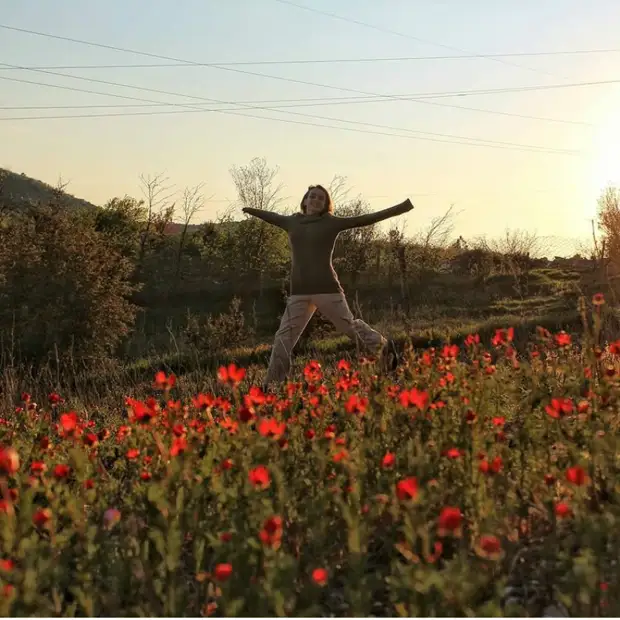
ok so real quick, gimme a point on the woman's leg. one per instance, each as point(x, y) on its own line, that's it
point(298, 312)
point(334, 308)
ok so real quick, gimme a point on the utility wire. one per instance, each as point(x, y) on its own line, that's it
point(284, 103)
point(343, 89)
point(245, 72)
point(331, 87)
point(232, 69)
point(409, 36)
point(309, 61)
point(369, 98)
point(314, 116)
point(518, 147)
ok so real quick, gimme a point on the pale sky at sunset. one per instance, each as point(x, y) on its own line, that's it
point(494, 188)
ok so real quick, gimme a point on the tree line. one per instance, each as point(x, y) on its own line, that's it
point(74, 281)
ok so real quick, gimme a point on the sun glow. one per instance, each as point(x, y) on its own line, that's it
point(606, 161)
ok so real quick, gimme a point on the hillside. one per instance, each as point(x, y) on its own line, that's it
point(20, 189)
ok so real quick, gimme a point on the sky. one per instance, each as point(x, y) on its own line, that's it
point(540, 174)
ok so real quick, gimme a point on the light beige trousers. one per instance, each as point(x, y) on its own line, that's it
point(297, 315)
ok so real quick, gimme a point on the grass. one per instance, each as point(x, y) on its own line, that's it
point(349, 492)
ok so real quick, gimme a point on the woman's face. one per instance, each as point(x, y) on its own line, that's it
point(314, 202)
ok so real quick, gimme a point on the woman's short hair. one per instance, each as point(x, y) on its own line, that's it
point(329, 205)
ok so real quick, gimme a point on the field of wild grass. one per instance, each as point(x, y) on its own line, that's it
point(349, 492)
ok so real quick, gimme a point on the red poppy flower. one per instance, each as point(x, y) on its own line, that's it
point(407, 489)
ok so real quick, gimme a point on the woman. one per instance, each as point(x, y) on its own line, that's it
point(314, 284)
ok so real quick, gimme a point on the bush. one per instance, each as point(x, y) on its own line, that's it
point(215, 333)
point(64, 288)
point(476, 262)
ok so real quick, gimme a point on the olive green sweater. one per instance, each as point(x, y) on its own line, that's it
point(312, 239)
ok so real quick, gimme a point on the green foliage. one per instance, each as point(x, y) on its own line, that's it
point(64, 287)
point(121, 220)
point(214, 333)
point(351, 255)
point(259, 248)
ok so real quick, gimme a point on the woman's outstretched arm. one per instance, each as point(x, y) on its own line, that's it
point(268, 216)
point(372, 218)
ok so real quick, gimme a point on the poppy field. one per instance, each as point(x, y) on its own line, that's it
point(347, 492)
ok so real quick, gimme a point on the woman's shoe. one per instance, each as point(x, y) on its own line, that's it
point(389, 357)
point(528, 587)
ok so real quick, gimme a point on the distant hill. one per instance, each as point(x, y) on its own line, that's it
point(19, 189)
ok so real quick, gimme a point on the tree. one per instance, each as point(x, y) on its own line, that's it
point(424, 251)
point(260, 245)
point(338, 190)
point(5, 199)
point(517, 242)
point(255, 185)
point(191, 203)
point(609, 222)
point(352, 251)
point(516, 251)
point(432, 242)
point(159, 209)
point(64, 287)
point(121, 220)
point(398, 245)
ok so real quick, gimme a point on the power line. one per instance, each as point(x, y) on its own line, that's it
point(408, 36)
point(235, 70)
point(308, 61)
point(472, 141)
point(284, 103)
point(454, 139)
point(368, 98)
point(340, 88)
point(242, 71)
point(274, 104)
point(314, 116)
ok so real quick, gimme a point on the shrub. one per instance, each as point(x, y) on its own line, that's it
point(224, 331)
point(64, 288)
